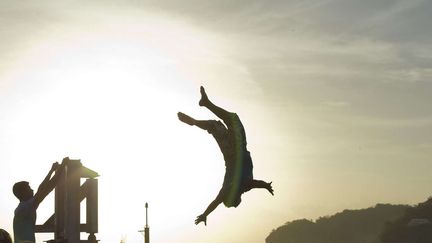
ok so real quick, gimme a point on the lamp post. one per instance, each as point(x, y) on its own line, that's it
point(146, 230)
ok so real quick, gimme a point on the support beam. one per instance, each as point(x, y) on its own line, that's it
point(69, 193)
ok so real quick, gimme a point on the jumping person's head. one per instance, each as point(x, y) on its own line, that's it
point(22, 190)
point(232, 202)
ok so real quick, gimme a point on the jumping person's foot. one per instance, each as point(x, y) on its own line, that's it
point(270, 188)
point(186, 119)
point(204, 99)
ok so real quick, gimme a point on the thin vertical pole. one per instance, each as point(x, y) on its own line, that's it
point(146, 229)
point(146, 207)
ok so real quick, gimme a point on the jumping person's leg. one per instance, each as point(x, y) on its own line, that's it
point(207, 125)
point(186, 119)
point(226, 116)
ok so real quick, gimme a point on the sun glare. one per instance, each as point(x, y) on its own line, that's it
point(112, 102)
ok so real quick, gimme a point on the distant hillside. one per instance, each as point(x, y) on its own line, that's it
point(415, 226)
point(349, 226)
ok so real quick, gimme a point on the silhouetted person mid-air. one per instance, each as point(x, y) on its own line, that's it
point(231, 139)
point(25, 214)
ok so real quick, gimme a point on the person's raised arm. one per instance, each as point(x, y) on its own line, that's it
point(48, 183)
point(212, 206)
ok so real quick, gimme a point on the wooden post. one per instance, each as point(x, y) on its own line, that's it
point(59, 209)
point(72, 204)
point(92, 206)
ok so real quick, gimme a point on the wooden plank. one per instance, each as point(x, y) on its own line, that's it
point(92, 206)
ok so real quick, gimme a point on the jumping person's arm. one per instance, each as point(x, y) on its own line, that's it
point(259, 184)
point(48, 183)
point(212, 206)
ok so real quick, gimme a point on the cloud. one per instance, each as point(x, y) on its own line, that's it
point(337, 104)
point(303, 51)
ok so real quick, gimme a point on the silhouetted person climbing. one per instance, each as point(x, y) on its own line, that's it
point(238, 162)
point(25, 214)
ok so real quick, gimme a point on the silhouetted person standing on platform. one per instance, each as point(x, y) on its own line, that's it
point(25, 214)
point(231, 139)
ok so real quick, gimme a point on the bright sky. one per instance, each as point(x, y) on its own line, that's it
point(334, 95)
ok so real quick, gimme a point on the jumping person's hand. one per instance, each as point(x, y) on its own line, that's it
point(201, 218)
